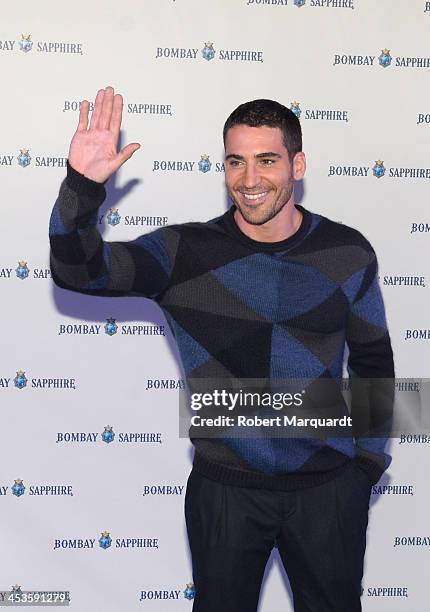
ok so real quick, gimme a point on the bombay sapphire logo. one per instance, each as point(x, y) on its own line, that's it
point(385, 58)
point(190, 591)
point(204, 163)
point(113, 217)
point(24, 158)
point(111, 327)
point(20, 380)
point(378, 169)
point(299, 2)
point(15, 592)
point(208, 51)
point(105, 540)
point(22, 270)
point(18, 488)
point(295, 107)
point(25, 44)
point(108, 435)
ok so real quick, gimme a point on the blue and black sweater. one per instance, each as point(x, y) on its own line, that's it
point(247, 309)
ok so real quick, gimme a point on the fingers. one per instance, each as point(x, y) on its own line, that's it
point(106, 112)
point(83, 116)
point(126, 153)
point(115, 122)
point(97, 109)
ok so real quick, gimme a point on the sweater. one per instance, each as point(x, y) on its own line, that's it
point(240, 308)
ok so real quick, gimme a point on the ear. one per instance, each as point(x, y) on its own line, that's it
point(299, 166)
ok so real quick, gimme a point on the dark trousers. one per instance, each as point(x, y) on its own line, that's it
point(320, 533)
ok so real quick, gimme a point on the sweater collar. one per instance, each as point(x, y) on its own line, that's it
point(228, 222)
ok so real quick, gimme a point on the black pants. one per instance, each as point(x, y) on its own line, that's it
point(320, 533)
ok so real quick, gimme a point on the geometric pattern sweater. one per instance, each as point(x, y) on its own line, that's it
point(241, 308)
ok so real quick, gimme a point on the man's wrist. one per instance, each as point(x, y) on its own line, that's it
point(372, 469)
point(82, 185)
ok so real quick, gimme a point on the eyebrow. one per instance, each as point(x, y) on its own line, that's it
point(258, 156)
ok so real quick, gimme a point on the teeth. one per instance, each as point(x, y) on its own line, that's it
point(256, 196)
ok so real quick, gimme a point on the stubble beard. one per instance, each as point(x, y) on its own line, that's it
point(258, 215)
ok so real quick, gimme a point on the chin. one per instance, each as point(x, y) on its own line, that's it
point(256, 217)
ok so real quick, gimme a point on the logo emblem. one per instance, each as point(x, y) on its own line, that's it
point(25, 44)
point(15, 593)
point(208, 51)
point(190, 591)
point(24, 158)
point(18, 488)
point(299, 2)
point(20, 381)
point(113, 217)
point(378, 169)
point(22, 270)
point(108, 435)
point(295, 107)
point(105, 540)
point(204, 163)
point(385, 58)
point(111, 327)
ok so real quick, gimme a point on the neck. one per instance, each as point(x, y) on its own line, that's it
point(282, 226)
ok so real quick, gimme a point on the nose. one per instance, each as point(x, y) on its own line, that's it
point(251, 177)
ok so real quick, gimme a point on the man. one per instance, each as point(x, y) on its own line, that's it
point(268, 291)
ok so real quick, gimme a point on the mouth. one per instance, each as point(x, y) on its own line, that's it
point(254, 198)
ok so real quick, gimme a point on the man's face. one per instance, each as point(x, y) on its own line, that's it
point(258, 172)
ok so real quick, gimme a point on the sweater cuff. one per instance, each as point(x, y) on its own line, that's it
point(371, 468)
point(82, 185)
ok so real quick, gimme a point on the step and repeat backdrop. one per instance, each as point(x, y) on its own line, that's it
point(92, 469)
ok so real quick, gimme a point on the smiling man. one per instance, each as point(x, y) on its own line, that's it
point(260, 169)
point(268, 290)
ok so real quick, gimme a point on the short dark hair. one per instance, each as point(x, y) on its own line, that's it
point(273, 114)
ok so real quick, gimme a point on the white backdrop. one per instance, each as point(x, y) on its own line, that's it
point(326, 56)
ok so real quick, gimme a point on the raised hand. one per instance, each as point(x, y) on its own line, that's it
point(93, 150)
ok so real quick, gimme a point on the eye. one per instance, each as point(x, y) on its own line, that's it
point(234, 162)
point(267, 162)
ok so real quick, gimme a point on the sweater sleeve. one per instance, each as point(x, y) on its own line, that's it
point(80, 259)
point(371, 373)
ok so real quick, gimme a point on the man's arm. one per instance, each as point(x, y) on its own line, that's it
point(371, 371)
point(80, 260)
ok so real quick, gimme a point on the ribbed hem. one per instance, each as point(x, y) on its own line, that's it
point(258, 480)
point(372, 469)
point(82, 185)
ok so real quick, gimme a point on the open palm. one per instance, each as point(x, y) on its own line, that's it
point(93, 150)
